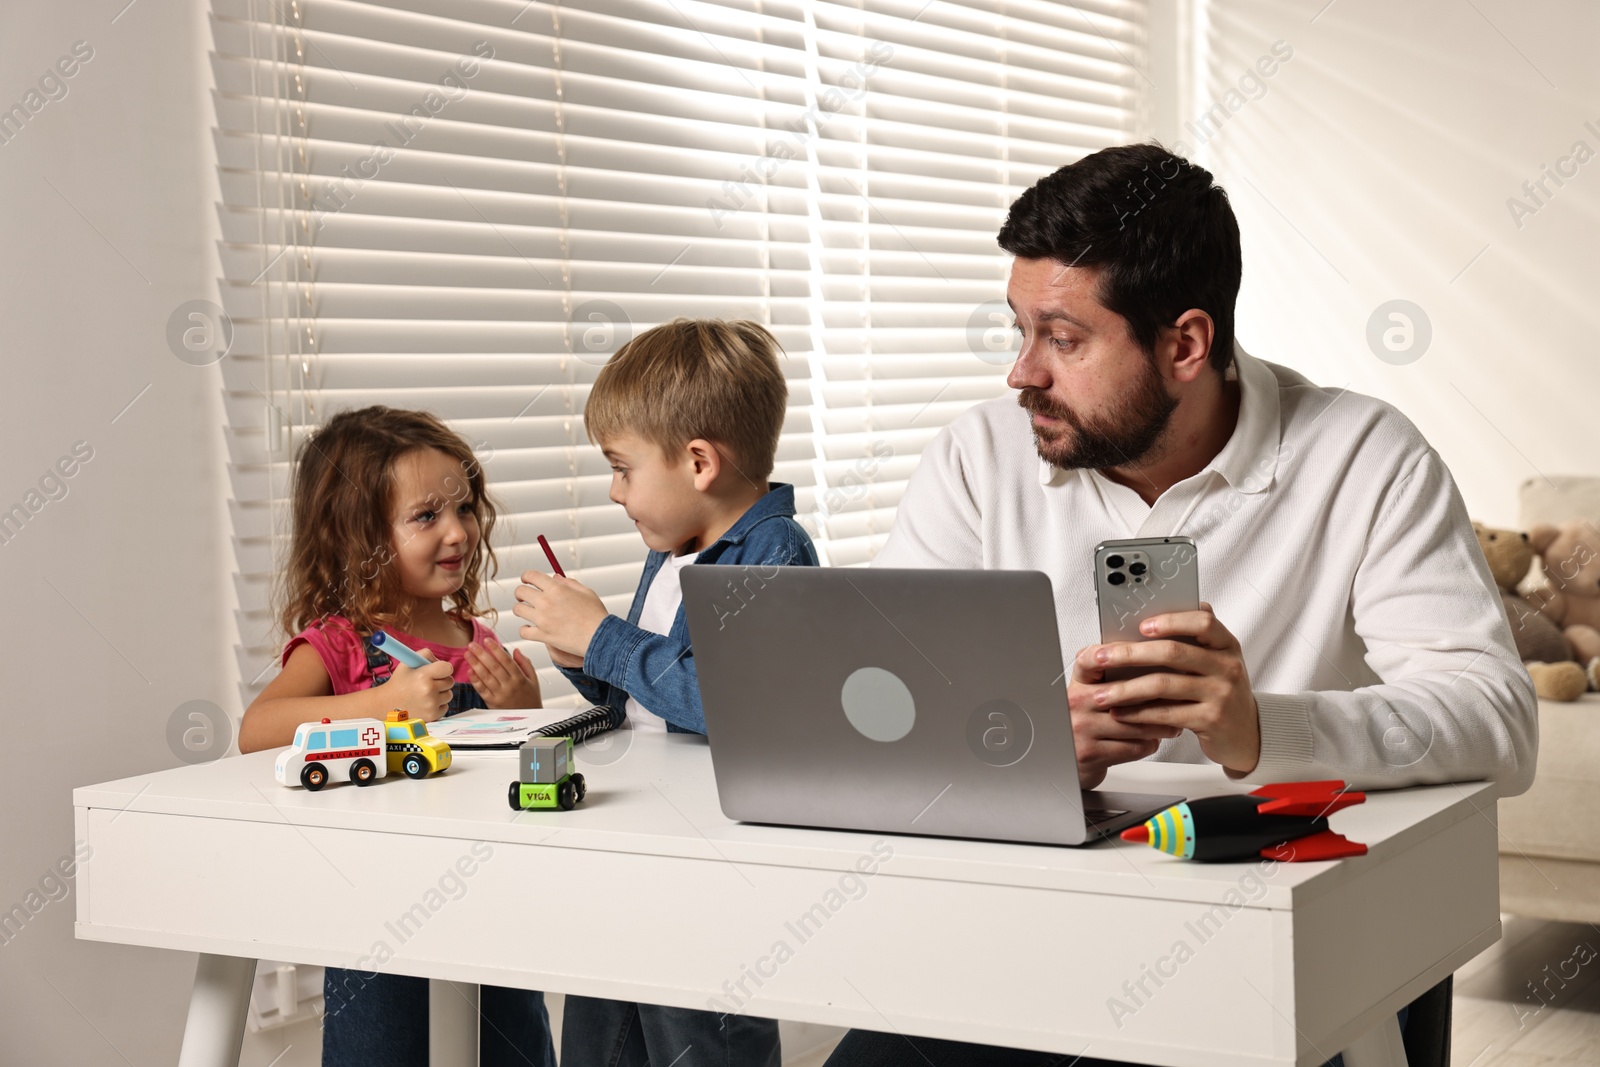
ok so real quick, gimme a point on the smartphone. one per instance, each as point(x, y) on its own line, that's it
point(1140, 577)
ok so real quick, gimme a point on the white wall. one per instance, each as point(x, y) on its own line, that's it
point(116, 597)
point(1377, 166)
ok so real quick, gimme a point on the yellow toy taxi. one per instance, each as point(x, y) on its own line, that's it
point(412, 750)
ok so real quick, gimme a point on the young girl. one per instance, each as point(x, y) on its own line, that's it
point(390, 521)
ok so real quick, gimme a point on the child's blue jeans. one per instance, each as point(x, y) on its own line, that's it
point(381, 1020)
point(617, 1033)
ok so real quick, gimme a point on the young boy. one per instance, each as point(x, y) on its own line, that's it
point(688, 414)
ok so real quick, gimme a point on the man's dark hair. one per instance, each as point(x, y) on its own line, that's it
point(1159, 229)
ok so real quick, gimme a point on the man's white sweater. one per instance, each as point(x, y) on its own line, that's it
point(1332, 542)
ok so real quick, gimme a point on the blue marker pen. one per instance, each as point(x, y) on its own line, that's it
point(387, 642)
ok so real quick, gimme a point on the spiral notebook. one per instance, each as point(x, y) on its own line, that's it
point(509, 729)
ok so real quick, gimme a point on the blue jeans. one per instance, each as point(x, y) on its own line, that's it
point(867, 1048)
point(616, 1033)
point(381, 1020)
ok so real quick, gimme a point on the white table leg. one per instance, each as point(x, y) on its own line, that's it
point(217, 1009)
point(452, 1023)
point(1379, 1047)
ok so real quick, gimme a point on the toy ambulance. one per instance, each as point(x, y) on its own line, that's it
point(344, 750)
point(412, 750)
point(545, 777)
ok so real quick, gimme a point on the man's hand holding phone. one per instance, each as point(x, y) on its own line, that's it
point(1203, 687)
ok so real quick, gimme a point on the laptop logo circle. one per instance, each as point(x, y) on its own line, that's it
point(878, 704)
point(999, 732)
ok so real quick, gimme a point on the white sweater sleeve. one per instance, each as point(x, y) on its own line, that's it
point(937, 523)
point(1455, 702)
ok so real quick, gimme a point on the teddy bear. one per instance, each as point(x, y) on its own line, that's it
point(1543, 648)
point(1570, 553)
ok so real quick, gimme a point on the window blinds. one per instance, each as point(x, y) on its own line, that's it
point(467, 205)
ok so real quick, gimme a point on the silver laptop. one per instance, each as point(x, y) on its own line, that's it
point(893, 700)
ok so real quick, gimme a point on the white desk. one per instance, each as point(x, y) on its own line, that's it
point(1004, 944)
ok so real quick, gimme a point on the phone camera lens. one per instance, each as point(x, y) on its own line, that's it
point(1136, 568)
point(1113, 561)
point(1116, 577)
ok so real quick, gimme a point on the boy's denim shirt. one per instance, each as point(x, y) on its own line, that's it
point(658, 670)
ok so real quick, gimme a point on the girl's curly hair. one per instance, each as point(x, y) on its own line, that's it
point(342, 542)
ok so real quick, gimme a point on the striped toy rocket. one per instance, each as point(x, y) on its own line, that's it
point(1287, 822)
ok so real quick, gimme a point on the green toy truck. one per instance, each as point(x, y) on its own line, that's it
point(545, 777)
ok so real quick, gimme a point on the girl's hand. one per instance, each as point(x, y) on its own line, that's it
point(503, 681)
point(422, 691)
point(564, 659)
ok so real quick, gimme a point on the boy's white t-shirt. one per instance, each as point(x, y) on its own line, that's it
point(657, 615)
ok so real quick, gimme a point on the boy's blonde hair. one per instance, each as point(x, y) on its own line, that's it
point(690, 378)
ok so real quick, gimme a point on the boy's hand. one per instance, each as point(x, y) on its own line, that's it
point(422, 691)
point(563, 613)
point(504, 681)
point(564, 659)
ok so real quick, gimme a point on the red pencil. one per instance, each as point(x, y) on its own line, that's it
point(551, 555)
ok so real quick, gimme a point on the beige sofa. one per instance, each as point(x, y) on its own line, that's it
point(1550, 835)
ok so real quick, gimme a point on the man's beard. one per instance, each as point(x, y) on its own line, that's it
point(1126, 437)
